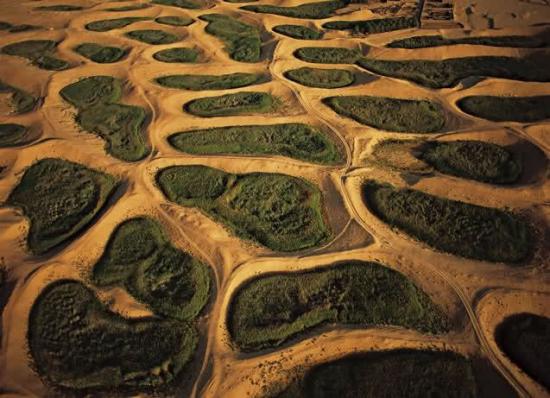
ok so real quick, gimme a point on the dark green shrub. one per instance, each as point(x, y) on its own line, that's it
point(327, 55)
point(507, 109)
point(110, 24)
point(373, 25)
point(38, 52)
point(298, 32)
point(21, 101)
point(13, 135)
point(151, 36)
point(175, 21)
point(322, 78)
point(59, 7)
point(494, 41)
point(244, 102)
point(189, 4)
point(211, 82)
point(100, 54)
point(317, 10)
point(177, 55)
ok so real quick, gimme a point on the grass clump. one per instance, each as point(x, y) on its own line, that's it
point(281, 212)
point(189, 4)
point(327, 55)
point(100, 54)
point(298, 32)
point(211, 82)
point(270, 310)
point(373, 25)
point(244, 102)
point(475, 160)
point(110, 24)
point(119, 125)
point(449, 72)
point(459, 228)
point(140, 257)
point(392, 114)
point(13, 135)
point(60, 198)
point(242, 41)
point(79, 344)
point(60, 8)
point(38, 52)
point(177, 55)
point(493, 41)
point(151, 36)
point(317, 10)
point(295, 140)
point(21, 101)
point(525, 339)
point(321, 78)
point(507, 109)
point(174, 21)
point(414, 374)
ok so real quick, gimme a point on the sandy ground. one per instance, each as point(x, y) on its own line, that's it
point(476, 295)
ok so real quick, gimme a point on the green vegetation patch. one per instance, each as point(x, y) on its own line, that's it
point(493, 41)
point(152, 36)
point(242, 41)
point(294, 140)
point(244, 102)
point(475, 160)
point(394, 373)
point(269, 310)
point(211, 82)
point(322, 78)
point(38, 52)
point(99, 113)
point(110, 24)
point(174, 21)
point(60, 198)
point(525, 339)
point(449, 72)
point(373, 25)
point(459, 228)
point(298, 32)
point(140, 257)
point(21, 101)
point(13, 135)
point(507, 109)
point(281, 212)
point(327, 55)
point(100, 54)
point(392, 114)
point(189, 4)
point(77, 343)
point(59, 7)
point(128, 8)
point(177, 55)
point(317, 10)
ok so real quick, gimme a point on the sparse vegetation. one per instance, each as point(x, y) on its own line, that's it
point(322, 78)
point(327, 55)
point(189, 4)
point(414, 374)
point(294, 140)
point(298, 32)
point(267, 311)
point(317, 10)
point(133, 7)
point(493, 41)
point(507, 109)
point(39, 52)
point(140, 257)
point(449, 72)
point(60, 198)
point(174, 21)
point(110, 24)
point(100, 54)
point(525, 339)
point(211, 82)
point(177, 55)
point(459, 228)
point(373, 25)
point(476, 160)
point(392, 114)
point(151, 36)
point(281, 212)
point(77, 343)
point(60, 8)
point(21, 101)
point(13, 135)
point(99, 112)
point(242, 41)
point(244, 102)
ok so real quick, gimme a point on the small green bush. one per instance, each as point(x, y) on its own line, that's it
point(317, 10)
point(38, 52)
point(327, 55)
point(13, 135)
point(298, 32)
point(110, 24)
point(174, 21)
point(294, 140)
point(507, 109)
point(177, 55)
point(373, 25)
point(100, 54)
point(244, 102)
point(211, 82)
point(459, 228)
point(392, 114)
point(21, 101)
point(281, 212)
point(151, 36)
point(493, 41)
point(60, 198)
point(322, 78)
